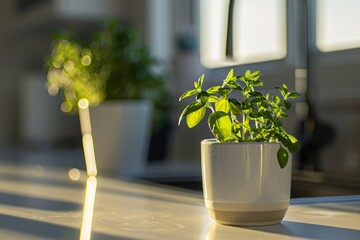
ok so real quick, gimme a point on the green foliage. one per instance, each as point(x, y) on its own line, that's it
point(132, 73)
point(71, 70)
point(112, 65)
point(254, 118)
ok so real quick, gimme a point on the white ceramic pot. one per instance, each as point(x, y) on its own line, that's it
point(243, 183)
point(41, 122)
point(121, 134)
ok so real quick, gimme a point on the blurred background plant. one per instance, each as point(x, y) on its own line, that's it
point(76, 70)
point(112, 65)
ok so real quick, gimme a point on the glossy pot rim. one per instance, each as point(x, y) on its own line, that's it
point(212, 141)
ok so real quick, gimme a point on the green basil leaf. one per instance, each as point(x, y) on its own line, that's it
point(220, 126)
point(234, 85)
point(254, 76)
point(285, 87)
point(247, 106)
point(188, 94)
point(282, 91)
point(196, 86)
point(193, 107)
point(278, 123)
point(224, 92)
point(246, 124)
point(264, 104)
point(276, 99)
point(278, 112)
point(289, 141)
point(266, 115)
point(213, 98)
point(258, 83)
point(287, 104)
point(203, 96)
point(222, 105)
point(284, 115)
point(230, 76)
point(256, 94)
point(283, 157)
point(253, 115)
point(293, 95)
point(257, 100)
point(246, 90)
point(235, 106)
point(213, 90)
point(193, 118)
point(236, 128)
point(241, 78)
point(201, 80)
point(294, 146)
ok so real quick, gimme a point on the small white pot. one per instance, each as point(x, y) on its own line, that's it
point(243, 183)
point(121, 132)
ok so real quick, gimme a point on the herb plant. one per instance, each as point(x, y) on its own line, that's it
point(253, 117)
point(111, 65)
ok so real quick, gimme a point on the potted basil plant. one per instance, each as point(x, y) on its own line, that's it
point(246, 169)
point(123, 85)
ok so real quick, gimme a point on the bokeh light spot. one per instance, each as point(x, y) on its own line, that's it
point(83, 103)
point(37, 171)
point(66, 107)
point(86, 60)
point(74, 174)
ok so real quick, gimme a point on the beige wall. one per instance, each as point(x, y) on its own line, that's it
point(9, 75)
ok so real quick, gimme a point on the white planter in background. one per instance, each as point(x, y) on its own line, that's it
point(243, 183)
point(41, 122)
point(121, 134)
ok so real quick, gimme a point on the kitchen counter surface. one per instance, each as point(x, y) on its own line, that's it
point(56, 203)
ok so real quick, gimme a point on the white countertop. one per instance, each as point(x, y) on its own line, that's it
point(41, 203)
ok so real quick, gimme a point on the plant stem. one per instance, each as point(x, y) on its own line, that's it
point(251, 134)
point(210, 106)
point(243, 128)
